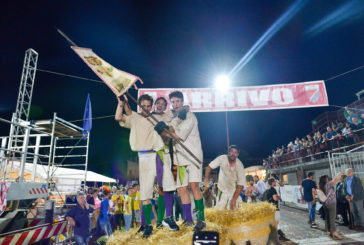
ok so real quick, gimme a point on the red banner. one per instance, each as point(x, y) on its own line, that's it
point(282, 96)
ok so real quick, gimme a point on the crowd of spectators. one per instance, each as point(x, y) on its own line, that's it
point(312, 147)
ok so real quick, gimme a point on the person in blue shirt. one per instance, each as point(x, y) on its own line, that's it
point(78, 217)
point(308, 193)
point(331, 136)
point(104, 214)
point(355, 195)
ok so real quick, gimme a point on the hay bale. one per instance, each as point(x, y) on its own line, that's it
point(249, 222)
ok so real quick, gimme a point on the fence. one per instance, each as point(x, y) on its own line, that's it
point(351, 159)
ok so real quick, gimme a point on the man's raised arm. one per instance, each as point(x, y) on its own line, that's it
point(119, 112)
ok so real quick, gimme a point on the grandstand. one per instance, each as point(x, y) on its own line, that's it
point(323, 149)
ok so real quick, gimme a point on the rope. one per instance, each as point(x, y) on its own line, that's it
point(344, 107)
point(347, 72)
point(67, 75)
point(101, 117)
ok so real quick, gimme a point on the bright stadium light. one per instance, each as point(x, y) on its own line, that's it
point(222, 83)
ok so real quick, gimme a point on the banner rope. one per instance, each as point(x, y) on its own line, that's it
point(98, 81)
point(344, 73)
point(67, 75)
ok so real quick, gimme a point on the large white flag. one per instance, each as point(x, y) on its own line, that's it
point(118, 81)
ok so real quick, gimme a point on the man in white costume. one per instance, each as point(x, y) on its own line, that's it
point(166, 191)
point(231, 178)
point(185, 129)
point(149, 146)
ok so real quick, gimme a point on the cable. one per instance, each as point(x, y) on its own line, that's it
point(342, 74)
point(66, 75)
point(79, 120)
point(350, 108)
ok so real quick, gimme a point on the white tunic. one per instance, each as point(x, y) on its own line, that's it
point(187, 130)
point(165, 117)
point(142, 137)
point(229, 177)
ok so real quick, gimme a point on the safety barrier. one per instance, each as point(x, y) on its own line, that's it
point(33, 234)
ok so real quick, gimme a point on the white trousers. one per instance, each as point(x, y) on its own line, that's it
point(148, 173)
point(223, 201)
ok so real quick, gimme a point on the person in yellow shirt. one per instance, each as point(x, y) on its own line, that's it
point(118, 201)
point(128, 209)
point(136, 204)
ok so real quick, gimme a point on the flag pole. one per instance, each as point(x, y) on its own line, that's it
point(156, 120)
point(66, 37)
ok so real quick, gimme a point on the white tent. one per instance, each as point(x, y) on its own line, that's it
point(67, 179)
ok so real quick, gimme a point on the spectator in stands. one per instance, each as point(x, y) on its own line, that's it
point(355, 195)
point(290, 147)
point(308, 193)
point(104, 214)
point(297, 144)
point(304, 143)
point(331, 135)
point(327, 187)
point(342, 206)
point(310, 146)
point(347, 132)
point(78, 217)
point(259, 184)
point(340, 125)
point(283, 149)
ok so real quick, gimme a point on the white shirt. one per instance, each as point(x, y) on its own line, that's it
point(187, 130)
point(142, 137)
point(260, 187)
point(229, 177)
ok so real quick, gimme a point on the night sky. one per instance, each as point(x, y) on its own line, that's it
point(181, 44)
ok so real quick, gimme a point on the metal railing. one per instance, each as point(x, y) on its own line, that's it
point(315, 152)
point(339, 161)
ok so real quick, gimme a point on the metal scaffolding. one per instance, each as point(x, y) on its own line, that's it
point(50, 143)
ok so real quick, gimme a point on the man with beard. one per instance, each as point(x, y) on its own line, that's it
point(149, 146)
point(231, 178)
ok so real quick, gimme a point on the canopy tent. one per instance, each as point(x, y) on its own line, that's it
point(67, 179)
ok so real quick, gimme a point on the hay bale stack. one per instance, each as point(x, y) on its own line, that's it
point(250, 222)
